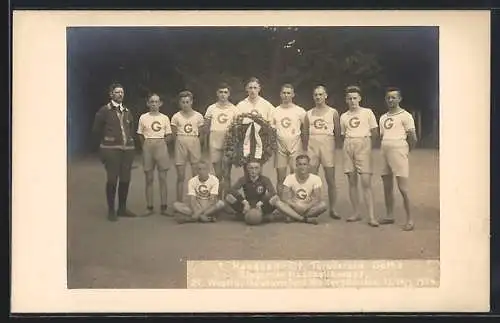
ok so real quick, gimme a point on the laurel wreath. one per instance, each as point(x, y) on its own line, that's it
point(233, 141)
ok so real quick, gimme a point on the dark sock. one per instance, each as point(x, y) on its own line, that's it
point(150, 208)
point(110, 195)
point(122, 195)
point(163, 207)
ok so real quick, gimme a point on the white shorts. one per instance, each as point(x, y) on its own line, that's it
point(321, 150)
point(358, 155)
point(395, 158)
point(288, 150)
point(216, 145)
point(187, 150)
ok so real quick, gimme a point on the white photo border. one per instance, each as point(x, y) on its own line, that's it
point(39, 164)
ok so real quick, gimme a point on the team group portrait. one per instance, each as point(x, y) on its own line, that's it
point(248, 143)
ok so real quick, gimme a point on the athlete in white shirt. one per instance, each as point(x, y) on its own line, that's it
point(254, 103)
point(302, 192)
point(397, 129)
point(154, 133)
point(322, 128)
point(186, 126)
point(203, 202)
point(218, 118)
point(288, 120)
point(358, 126)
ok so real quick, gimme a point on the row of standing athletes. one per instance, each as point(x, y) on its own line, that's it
point(306, 141)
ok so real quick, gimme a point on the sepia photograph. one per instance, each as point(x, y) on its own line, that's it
point(256, 161)
point(249, 143)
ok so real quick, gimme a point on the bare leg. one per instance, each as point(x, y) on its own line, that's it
point(149, 175)
point(316, 210)
point(366, 182)
point(403, 188)
point(210, 214)
point(332, 191)
point(182, 208)
point(388, 182)
point(220, 176)
point(354, 196)
point(286, 209)
point(281, 174)
point(181, 171)
point(227, 167)
point(162, 178)
point(184, 214)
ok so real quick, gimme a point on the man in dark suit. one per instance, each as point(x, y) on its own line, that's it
point(114, 128)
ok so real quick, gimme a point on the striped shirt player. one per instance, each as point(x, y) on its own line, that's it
point(356, 126)
point(394, 146)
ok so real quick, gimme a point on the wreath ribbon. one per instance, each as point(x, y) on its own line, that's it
point(248, 138)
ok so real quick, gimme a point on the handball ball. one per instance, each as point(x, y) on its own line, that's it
point(253, 216)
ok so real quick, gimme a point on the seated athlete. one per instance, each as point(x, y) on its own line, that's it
point(302, 191)
point(203, 203)
point(258, 192)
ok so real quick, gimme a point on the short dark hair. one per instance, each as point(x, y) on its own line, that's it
point(151, 94)
point(353, 89)
point(320, 87)
point(287, 86)
point(185, 94)
point(252, 79)
point(303, 156)
point(254, 160)
point(115, 85)
point(393, 89)
point(224, 85)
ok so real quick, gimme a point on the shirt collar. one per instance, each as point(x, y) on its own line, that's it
point(118, 105)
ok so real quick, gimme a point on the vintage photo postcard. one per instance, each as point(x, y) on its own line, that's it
point(250, 161)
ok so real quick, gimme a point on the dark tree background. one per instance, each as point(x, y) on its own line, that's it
point(167, 60)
